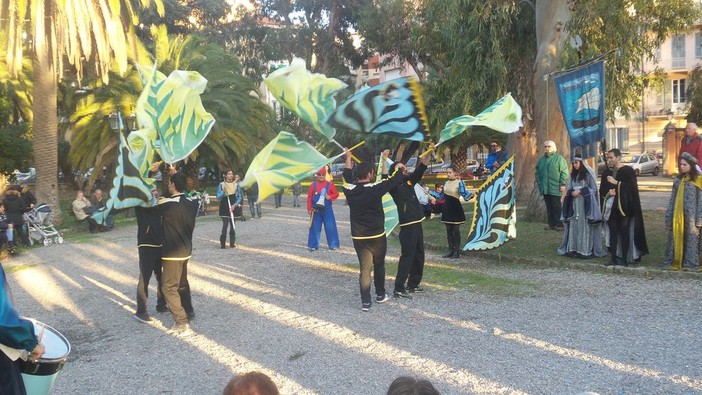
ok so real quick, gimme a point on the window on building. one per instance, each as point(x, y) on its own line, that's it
point(678, 51)
point(617, 138)
point(698, 45)
point(679, 91)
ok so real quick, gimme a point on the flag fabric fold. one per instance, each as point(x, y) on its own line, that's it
point(394, 107)
point(282, 163)
point(309, 95)
point(392, 217)
point(131, 186)
point(172, 107)
point(504, 116)
point(494, 214)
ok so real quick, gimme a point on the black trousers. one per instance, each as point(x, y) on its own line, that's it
point(149, 263)
point(10, 378)
point(453, 234)
point(227, 224)
point(411, 264)
point(553, 210)
point(371, 256)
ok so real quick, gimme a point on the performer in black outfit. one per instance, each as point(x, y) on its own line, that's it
point(619, 190)
point(367, 218)
point(411, 233)
point(149, 238)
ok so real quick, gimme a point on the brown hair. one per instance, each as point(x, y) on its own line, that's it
point(251, 383)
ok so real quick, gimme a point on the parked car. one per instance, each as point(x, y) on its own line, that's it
point(337, 169)
point(29, 177)
point(642, 163)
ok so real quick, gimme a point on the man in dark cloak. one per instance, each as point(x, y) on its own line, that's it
point(619, 190)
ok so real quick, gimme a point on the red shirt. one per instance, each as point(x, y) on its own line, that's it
point(692, 145)
point(331, 192)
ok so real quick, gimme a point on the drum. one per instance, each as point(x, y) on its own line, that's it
point(39, 376)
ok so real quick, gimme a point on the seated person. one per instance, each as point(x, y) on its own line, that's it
point(438, 200)
point(98, 201)
point(423, 196)
point(7, 235)
point(82, 209)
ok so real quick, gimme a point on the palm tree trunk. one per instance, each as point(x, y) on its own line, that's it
point(45, 131)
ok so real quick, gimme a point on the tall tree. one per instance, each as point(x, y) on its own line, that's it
point(92, 31)
point(482, 51)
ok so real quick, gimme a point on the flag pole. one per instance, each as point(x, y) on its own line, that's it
point(355, 146)
point(428, 151)
point(231, 214)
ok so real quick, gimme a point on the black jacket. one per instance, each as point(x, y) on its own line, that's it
point(149, 228)
point(178, 218)
point(14, 208)
point(366, 205)
point(408, 208)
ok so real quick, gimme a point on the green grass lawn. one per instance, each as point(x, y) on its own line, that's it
point(533, 242)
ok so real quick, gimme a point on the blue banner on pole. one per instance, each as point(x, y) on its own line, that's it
point(581, 94)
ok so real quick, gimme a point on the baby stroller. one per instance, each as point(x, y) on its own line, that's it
point(40, 227)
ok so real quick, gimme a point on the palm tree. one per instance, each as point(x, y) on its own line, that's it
point(241, 126)
point(95, 32)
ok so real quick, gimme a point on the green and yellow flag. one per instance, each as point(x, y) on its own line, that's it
point(283, 162)
point(505, 116)
point(309, 95)
point(172, 107)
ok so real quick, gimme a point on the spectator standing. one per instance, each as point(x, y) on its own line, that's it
point(551, 178)
point(683, 219)
point(230, 198)
point(28, 198)
point(496, 158)
point(410, 213)
point(149, 240)
point(581, 214)
point(296, 191)
point(622, 211)
point(252, 197)
point(691, 143)
point(178, 218)
point(320, 196)
point(15, 209)
point(278, 198)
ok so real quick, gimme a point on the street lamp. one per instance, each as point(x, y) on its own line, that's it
point(129, 121)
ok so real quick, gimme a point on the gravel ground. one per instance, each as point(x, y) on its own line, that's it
point(270, 305)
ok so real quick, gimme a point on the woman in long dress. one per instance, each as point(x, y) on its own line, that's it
point(581, 214)
point(684, 218)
